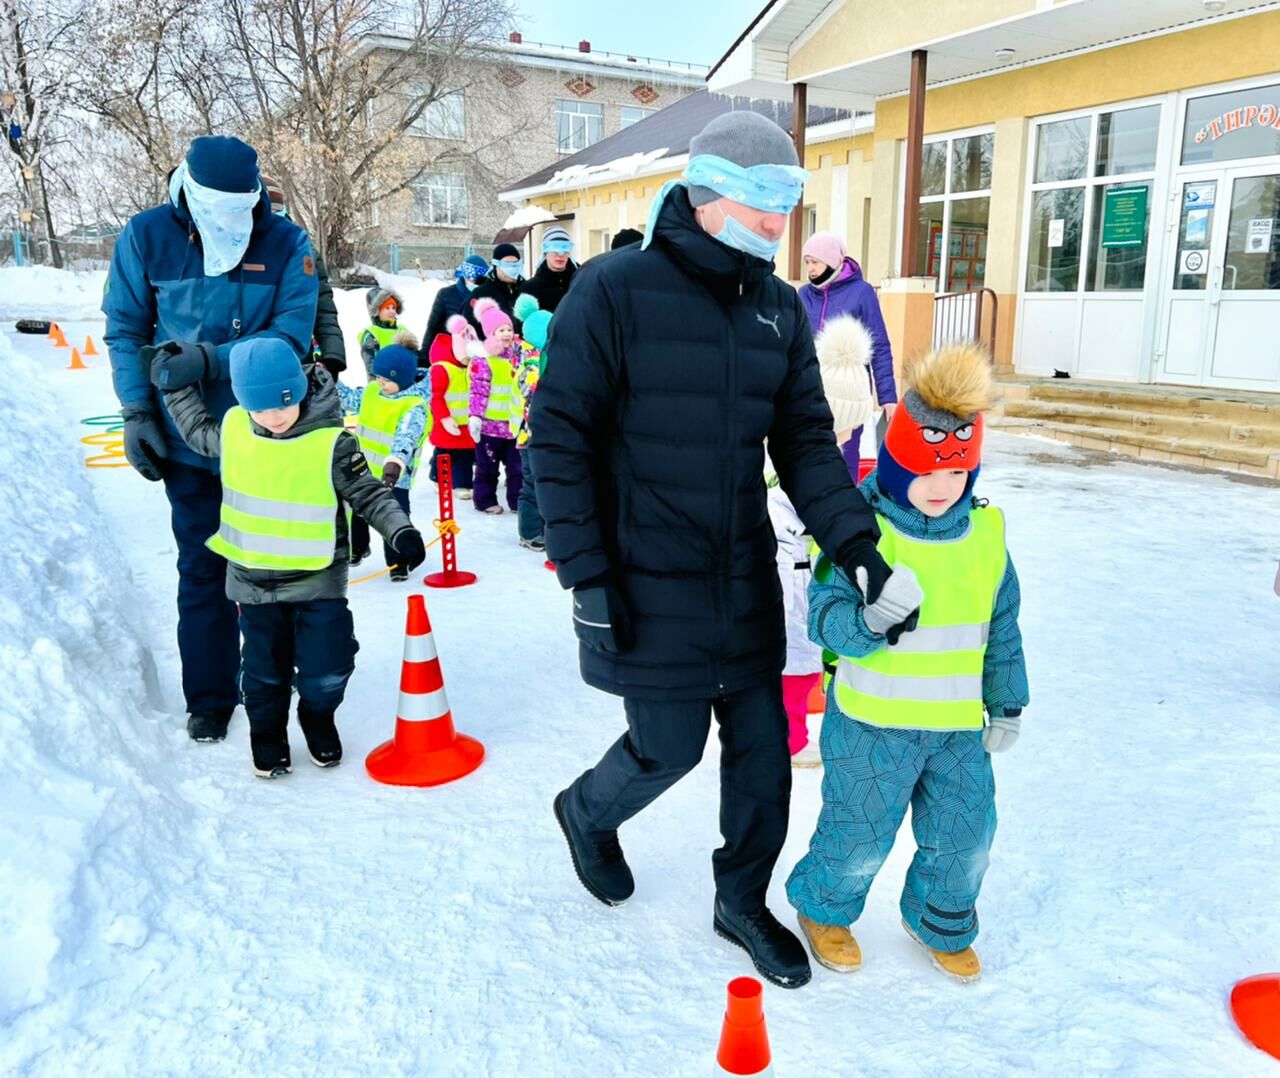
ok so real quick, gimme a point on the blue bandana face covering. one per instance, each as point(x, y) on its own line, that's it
point(511, 269)
point(769, 188)
point(557, 247)
point(224, 220)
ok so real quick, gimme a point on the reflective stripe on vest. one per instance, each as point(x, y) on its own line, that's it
point(932, 678)
point(458, 395)
point(279, 508)
point(377, 422)
point(502, 390)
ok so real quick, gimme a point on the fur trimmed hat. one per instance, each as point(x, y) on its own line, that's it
point(938, 426)
point(378, 298)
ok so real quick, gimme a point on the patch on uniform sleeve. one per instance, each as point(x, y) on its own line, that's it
point(308, 265)
point(357, 463)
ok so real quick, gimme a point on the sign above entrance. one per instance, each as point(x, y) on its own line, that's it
point(1124, 217)
point(1232, 126)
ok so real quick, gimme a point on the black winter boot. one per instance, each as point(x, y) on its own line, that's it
point(208, 725)
point(599, 863)
point(775, 951)
point(270, 754)
point(357, 556)
point(323, 744)
point(399, 573)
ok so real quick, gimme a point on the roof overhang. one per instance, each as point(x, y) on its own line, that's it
point(759, 64)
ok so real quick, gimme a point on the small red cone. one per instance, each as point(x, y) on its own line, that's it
point(76, 364)
point(426, 749)
point(90, 349)
point(1255, 1005)
point(57, 336)
point(744, 1041)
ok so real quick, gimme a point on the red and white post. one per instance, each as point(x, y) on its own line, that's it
point(450, 576)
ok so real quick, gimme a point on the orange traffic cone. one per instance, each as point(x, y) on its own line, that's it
point(426, 750)
point(89, 347)
point(744, 1041)
point(1255, 1005)
point(76, 364)
point(57, 336)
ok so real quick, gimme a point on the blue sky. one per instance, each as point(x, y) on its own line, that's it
point(691, 30)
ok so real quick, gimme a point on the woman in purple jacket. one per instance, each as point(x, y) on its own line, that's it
point(836, 287)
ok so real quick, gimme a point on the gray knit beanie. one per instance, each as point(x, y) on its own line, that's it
point(746, 139)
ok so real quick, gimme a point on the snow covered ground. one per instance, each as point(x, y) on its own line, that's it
point(162, 911)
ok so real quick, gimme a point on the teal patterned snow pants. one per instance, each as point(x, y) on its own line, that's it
point(871, 776)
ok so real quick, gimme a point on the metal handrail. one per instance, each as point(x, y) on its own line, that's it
point(958, 316)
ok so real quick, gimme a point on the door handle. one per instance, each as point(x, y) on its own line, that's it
point(1235, 276)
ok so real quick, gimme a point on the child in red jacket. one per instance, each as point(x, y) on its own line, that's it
point(451, 355)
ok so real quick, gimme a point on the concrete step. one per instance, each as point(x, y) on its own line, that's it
point(1186, 427)
point(1185, 452)
point(1240, 408)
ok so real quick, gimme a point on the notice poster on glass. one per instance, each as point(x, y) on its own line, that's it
point(1124, 217)
point(1196, 233)
point(1057, 231)
point(1200, 195)
point(1258, 240)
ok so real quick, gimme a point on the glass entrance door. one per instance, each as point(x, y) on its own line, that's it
point(1224, 294)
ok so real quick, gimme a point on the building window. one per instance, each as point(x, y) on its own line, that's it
point(955, 207)
point(1091, 202)
point(578, 125)
point(440, 199)
point(633, 114)
point(1232, 126)
point(443, 118)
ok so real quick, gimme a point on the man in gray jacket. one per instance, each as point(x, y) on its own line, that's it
point(276, 511)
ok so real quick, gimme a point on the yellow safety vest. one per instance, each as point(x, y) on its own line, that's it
point(458, 395)
point(279, 508)
point(932, 678)
point(376, 425)
point(382, 334)
point(504, 399)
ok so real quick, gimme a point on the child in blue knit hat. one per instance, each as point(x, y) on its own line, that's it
point(392, 424)
point(289, 471)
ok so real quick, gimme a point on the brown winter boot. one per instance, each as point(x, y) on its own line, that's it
point(963, 965)
point(833, 946)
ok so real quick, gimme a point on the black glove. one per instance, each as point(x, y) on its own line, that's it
point(391, 476)
point(600, 618)
point(144, 444)
point(407, 546)
point(177, 364)
point(863, 555)
point(895, 631)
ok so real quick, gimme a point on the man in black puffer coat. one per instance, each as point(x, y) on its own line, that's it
point(671, 366)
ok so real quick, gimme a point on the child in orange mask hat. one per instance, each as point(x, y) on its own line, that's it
point(913, 716)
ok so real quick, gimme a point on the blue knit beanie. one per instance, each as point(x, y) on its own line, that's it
point(266, 374)
point(223, 163)
point(396, 363)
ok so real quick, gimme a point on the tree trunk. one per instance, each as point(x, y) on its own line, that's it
point(51, 237)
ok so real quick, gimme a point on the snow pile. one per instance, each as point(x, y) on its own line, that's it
point(77, 680)
point(623, 168)
point(527, 217)
point(353, 314)
point(44, 292)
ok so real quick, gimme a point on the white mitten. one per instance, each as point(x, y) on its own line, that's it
point(1002, 731)
point(898, 599)
point(474, 428)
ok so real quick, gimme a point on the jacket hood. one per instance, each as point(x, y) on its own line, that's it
point(377, 296)
point(953, 524)
point(320, 408)
point(720, 267)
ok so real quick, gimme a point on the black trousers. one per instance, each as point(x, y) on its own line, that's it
point(316, 639)
point(664, 742)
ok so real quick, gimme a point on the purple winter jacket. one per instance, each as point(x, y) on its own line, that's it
point(845, 292)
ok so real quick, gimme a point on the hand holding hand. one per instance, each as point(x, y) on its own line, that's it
point(898, 601)
point(391, 473)
point(177, 364)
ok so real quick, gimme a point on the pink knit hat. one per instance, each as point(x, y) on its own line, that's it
point(491, 316)
point(827, 248)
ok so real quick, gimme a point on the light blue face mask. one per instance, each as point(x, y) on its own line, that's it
point(511, 269)
point(738, 236)
point(224, 220)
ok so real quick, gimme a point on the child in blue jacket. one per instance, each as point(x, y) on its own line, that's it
point(392, 425)
point(913, 716)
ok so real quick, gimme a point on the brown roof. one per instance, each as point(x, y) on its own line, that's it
point(673, 128)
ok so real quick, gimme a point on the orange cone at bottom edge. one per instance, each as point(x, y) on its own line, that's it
point(744, 1040)
point(1255, 1005)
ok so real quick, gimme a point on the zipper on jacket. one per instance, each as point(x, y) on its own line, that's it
point(729, 491)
